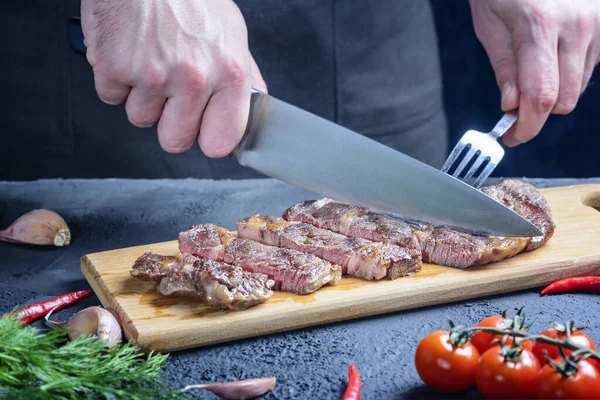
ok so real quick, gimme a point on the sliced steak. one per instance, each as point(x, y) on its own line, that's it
point(358, 257)
point(222, 286)
point(358, 222)
point(292, 271)
point(528, 202)
point(436, 245)
point(456, 249)
point(152, 266)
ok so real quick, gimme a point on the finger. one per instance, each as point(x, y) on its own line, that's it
point(89, 22)
point(538, 82)
point(110, 91)
point(588, 70)
point(179, 124)
point(497, 42)
point(571, 64)
point(257, 79)
point(502, 57)
point(144, 109)
point(225, 117)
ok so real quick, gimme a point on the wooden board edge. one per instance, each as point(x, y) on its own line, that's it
point(340, 313)
point(100, 289)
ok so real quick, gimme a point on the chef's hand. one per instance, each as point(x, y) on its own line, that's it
point(182, 63)
point(543, 53)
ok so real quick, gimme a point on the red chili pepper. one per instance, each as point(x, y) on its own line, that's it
point(579, 284)
point(353, 389)
point(39, 310)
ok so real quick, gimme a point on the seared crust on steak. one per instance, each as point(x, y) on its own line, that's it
point(358, 257)
point(222, 286)
point(456, 249)
point(358, 222)
point(436, 245)
point(292, 271)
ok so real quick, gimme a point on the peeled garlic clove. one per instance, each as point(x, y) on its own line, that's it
point(92, 321)
point(42, 227)
point(238, 390)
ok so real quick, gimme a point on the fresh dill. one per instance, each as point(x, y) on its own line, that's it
point(42, 365)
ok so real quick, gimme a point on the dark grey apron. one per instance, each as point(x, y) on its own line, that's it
point(371, 66)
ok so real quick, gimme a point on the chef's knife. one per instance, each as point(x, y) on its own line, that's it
point(307, 151)
point(287, 143)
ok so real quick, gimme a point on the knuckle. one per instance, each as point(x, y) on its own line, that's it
point(583, 26)
point(195, 79)
point(545, 99)
point(236, 73)
point(154, 80)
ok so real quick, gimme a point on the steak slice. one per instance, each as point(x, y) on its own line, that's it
point(292, 271)
point(358, 222)
point(222, 286)
point(528, 202)
point(457, 249)
point(436, 245)
point(153, 267)
point(358, 257)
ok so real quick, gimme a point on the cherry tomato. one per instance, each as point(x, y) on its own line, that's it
point(443, 366)
point(584, 384)
point(498, 378)
point(483, 340)
point(578, 337)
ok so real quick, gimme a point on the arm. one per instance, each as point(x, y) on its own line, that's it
point(184, 64)
point(543, 54)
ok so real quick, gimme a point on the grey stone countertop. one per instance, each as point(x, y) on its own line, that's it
point(308, 363)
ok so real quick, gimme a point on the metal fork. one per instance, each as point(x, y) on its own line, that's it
point(481, 147)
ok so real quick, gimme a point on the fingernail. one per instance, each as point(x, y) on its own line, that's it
point(506, 89)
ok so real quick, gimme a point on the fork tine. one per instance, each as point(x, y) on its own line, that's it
point(480, 160)
point(452, 157)
point(464, 162)
point(487, 171)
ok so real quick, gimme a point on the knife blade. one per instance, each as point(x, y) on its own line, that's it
point(290, 144)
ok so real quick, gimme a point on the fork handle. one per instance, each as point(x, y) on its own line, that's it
point(504, 124)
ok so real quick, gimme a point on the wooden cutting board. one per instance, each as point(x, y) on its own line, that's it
point(167, 324)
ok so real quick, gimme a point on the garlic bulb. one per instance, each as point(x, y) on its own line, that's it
point(92, 320)
point(42, 227)
point(238, 390)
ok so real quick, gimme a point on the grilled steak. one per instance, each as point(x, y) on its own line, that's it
point(358, 222)
point(456, 249)
point(358, 257)
point(152, 266)
point(528, 202)
point(438, 245)
point(222, 286)
point(292, 271)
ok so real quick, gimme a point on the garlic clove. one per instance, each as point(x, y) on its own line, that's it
point(238, 390)
point(92, 321)
point(41, 227)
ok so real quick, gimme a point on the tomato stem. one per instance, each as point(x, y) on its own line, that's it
point(568, 343)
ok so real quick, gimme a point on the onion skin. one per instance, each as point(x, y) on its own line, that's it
point(39, 227)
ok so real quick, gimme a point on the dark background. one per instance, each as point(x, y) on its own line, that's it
point(567, 145)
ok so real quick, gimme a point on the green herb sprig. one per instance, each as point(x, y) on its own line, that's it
point(42, 365)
